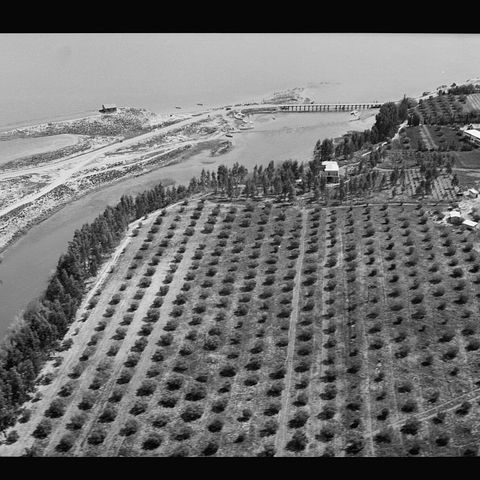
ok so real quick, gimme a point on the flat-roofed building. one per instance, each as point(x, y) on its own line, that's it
point(473, 136)
point(470, 224)
point(331, 171)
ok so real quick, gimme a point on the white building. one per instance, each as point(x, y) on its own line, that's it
point(473, 192)
point(473, 136)
point(331, 171)
point(470, 224)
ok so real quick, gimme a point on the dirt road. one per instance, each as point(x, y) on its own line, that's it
point(79, 162)
point(280, 440)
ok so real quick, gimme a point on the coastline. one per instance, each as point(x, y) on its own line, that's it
point(56, 208)
point(182, 154)
point(300, 92)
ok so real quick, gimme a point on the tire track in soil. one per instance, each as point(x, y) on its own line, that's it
point(318, 339)
point(425, 133)
point(417, 390)
point(341, 334)
point(280, 439)
point(365, 385)
point(431, 412)
point(337, 440)
point(231, 411)
point(390, 378)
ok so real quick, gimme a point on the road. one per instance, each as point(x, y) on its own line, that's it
point(281, 437)
point(82, 160)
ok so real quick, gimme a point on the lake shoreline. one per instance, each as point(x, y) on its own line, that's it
point(80, 195)
point(286, 127)
point(216, 150)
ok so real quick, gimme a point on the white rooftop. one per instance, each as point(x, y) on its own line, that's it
point(470, 223)
point(455, 213)
point(473, 190)
point(330, 166)
point(473, 133)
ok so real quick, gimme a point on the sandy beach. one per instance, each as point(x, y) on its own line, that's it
point(45, 166)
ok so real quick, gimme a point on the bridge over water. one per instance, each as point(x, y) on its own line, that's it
point(315, 107)
point(327, 107)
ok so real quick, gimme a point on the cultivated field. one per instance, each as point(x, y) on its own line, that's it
point(244, 329)
point(473, 103)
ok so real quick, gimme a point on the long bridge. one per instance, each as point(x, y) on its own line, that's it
point(327, 107)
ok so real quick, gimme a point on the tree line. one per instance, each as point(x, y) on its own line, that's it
point(31, 341)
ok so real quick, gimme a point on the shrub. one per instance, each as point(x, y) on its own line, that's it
point(196, 392)
point(97, 436)
point(215, 426)
point(168, 401)
point(409, 406)
point(138, 408)
point(108, 415)
point(146, 388)
point(66, 389)
point(152, 442)
point(297, 443)
point(228, 371)
point(299, 419)
point(160, 420)
point(56, 409)
point(191, 413)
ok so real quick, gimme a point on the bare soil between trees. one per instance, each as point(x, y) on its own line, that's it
point(267, 329)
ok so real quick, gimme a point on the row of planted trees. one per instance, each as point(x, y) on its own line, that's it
point(281, 180)
point(29, 344)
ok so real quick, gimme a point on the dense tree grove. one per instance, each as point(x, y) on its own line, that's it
point(33, 339)
point(386, 124)
point(462, 89)
point(28, 346)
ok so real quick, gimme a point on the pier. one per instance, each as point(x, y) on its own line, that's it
point(327, 107)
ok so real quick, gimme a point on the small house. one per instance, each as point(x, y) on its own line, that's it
point(470, 224)
point(473, 192)
point(331, 171)
point(473, 136)
point(108, 108)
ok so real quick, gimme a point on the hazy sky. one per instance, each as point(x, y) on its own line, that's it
point(69, 72)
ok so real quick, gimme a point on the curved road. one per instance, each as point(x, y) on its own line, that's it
point(82, 160)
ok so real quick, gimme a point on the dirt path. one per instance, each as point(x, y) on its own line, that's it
point(82, 160)
point(390, 380)
point(427, 137)
point(365, 384)
point(281, 437)
point(447, 406)
point(315, 384)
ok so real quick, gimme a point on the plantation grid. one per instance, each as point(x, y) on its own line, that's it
point(261, 328)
